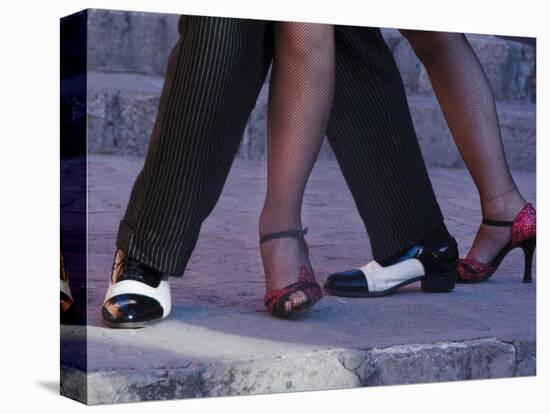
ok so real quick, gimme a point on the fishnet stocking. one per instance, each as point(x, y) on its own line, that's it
point(467, 102)
point(300, 98)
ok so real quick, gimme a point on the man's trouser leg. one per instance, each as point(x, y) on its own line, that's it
point(373, 138)
point(214, 75)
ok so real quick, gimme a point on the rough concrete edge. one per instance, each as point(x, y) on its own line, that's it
point(318, 370)
point(73, 384)
point(445, 361)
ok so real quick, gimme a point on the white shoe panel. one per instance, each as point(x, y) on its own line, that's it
point(381, 278)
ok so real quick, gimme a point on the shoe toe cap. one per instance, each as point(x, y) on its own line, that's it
point(332, 281)
point(349, 280)
point(131, 309)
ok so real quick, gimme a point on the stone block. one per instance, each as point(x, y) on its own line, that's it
point(122, 110)
point(121, 41)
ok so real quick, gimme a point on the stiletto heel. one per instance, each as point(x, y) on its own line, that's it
point(275, 299)
point(528, 247)
point(523, 235)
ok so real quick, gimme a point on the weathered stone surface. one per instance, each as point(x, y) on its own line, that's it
point(510, 67)
point(295, 371)
point(409, 66)
point(120, 41)
point(73, 383)
point(307, 371)
point(254, 138)
point(526, 358)
point(122, 110)
point(518, 128)
point(485, 358)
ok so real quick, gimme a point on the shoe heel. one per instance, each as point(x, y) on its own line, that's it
point(439, 283)
point(528, 247)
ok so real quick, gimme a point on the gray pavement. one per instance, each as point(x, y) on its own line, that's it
point(219, 340)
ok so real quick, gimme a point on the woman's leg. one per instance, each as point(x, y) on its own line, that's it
point(467, 102)
point(300, 98)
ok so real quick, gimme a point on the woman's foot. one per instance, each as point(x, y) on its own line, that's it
point(490, 240)
point(290, 283)
point(508, 221)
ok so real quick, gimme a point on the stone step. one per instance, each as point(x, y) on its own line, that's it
point(138, 42)
point(518, 127)
point(122, 108)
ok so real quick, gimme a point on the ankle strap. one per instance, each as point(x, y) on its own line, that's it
point(299, 234)
point(497, 223)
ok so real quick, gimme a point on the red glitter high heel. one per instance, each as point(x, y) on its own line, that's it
point(524, 235)
point(275, 299)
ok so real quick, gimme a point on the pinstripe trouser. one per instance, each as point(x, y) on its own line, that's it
point(214, 76)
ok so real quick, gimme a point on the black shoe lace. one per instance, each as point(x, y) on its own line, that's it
point(131, 269)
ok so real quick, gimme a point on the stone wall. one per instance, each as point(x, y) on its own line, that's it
point(127, 55)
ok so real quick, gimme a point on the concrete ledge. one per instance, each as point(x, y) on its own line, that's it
point(318, 370)
point(122, 109)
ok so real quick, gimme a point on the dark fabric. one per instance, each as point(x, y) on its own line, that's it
point(373, 138)
point(214, 75)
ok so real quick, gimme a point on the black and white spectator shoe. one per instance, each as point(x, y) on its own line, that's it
point(434, 267)
point(138, 295)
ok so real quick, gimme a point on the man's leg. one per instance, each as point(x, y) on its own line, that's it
point(214, 76)
point(373, 138)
